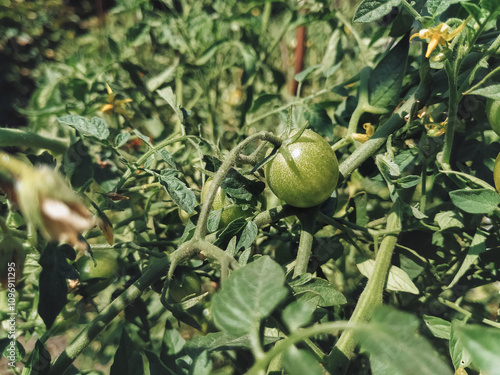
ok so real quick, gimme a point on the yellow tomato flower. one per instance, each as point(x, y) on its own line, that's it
point(370, 130)
point(441, 34)
point(116, 106)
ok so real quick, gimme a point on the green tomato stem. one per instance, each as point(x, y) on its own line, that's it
point(147, 154)
point(452, 116)
point(412, 11)
point(317, 329)
point(371, 146)
point(16, 137)
point(307, 218)
point(371, 297)
point(363, 100)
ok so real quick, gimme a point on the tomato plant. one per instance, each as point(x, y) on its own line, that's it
point(306, 173)
point(383, 261)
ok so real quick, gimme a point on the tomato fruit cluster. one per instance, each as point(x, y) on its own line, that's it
point(307, 174)
point(230, 210)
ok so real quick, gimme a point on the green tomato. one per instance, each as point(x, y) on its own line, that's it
point(230, 210)
point(496, 173)
point(493, 114)
point(184, 283)
point(95, 278)
point(311, 174)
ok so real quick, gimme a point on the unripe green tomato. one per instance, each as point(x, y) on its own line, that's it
point(230, 210)
point(185, 283)
point(493, 114)
point(98, 277)
point(311, 175)
point(496, 173)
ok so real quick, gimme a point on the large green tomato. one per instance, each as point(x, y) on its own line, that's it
point(493, 114)
point(230, 210)
point(496, 173)
point(309, 177)
point(93, 279)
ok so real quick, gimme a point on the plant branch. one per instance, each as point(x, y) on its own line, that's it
point(156, 270)
point(300, 335)
point(338, 359)
point(307, 218)
point(21, 138)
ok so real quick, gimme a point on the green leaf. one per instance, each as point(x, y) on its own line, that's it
point(52, 282)
point(386, 80)
point(372, 10)
point(459, 356)
point(168, 95)
point(391, 337)
point(436, 7)
point(166, 76)
point(39, 360)
point(220, 341)
point(156, 365)
point(127, 359)
point(262, 100)
point(167, 157)
point(491, 92)
point(318, 120)
point(474, 11)
point(202, 364)
point(300, 77)
point(143, 138)
point(408, 181)
point(248, 236)
point(138, 33)
point(121, 139)
point(440, 328)
point(14, 353)
point(95, 127)
point(492, 6)
point(476, 201)
point(297, 314)
point(398, 280)
point(483, 345)
point(449, 219)
point(300, 362)
point(477, 247)
point(235, 184)
point(178, 191)
point(249, 295)
point(316, 287)
point(249, 60)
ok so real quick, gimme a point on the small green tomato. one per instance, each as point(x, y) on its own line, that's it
point(184, 283)
point(230, 210)
point(95, 278)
